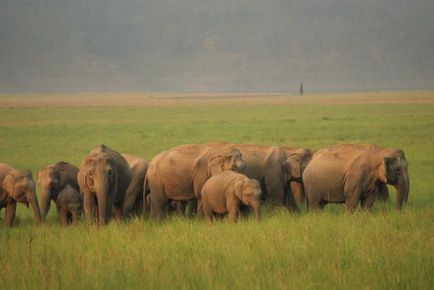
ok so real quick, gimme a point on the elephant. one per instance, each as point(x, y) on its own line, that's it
point(103, 177)
point(350, 173)
point(70, 205)
point(278, 169)
point(52, 179)
point(17, 186)
point(134, 195)
point(179, 173)
point(225, 192)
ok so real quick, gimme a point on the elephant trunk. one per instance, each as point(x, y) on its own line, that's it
point(402, 188)
point(45, 203)
point(102, 192)
point(33, 201)
point(257, 209)
point(297, 190)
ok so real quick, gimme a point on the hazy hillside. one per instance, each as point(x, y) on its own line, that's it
point(210, 45)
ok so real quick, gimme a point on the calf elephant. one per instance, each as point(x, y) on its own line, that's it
point(353, 173)
point(179, 173)
point(52, 179)
point(278, 170)
point(17, 186)
point(225, 192)
point(134, 196)
point(104, 177)
point(70, 205)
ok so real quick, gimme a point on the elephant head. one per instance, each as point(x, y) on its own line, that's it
point(228, 158)
point(52, 179)
point(21, 187)
point(99, 177)
point(249, 193)
point(295, 164)
point(395, 172)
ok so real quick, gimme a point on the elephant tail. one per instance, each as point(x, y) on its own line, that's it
point(145, 194)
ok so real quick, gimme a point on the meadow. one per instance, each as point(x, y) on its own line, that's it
point(383, 249)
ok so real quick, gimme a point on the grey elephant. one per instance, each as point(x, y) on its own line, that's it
point(352, 173)
point(103, 177)
point(52, 179)
point(17, 186)
point(225, 192)
point(134, 195)
point(178, 174)
point(70, 205)
point(278, 169)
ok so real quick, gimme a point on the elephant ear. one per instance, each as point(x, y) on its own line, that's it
point(83, 174)
point(8, 184)
point(292, 167)
point(215, 165)
point(237, 188)
point(80, 178)
point(387, 168)
point(62, 179)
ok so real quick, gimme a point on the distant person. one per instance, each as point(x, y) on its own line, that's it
point(301, 89)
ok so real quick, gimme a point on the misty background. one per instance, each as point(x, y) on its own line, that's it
point(215, 45)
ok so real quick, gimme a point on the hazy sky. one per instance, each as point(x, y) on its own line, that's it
point(215, 45)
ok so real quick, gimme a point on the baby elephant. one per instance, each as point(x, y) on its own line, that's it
point(70, 204)
point(225, 192)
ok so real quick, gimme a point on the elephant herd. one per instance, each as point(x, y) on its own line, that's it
point(211, 180)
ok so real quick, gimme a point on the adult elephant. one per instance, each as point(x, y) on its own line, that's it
point(278, 170)
point(134, 195)
point(17, 186)
point(178, 174)
point(52, 179)
point(104, 177)
point(352, 173)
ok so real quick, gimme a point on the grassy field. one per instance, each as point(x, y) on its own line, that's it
point(384, 249)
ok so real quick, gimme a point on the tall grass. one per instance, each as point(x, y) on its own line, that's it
point(385, 249)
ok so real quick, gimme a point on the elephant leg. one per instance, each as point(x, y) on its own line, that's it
point(233, 214)
point(158, 205)
point(314, 203)
point(353, 192)
point(147, 206)
point(368, 202)
point(129, 205)
point(69, 216)
point(138, 206)
point(195, 203)
point(352, 201)
point(63, 216)
point(89, 205)
point(117, 213)
point(207, 211)
point(199, 211)
point(11, 208)
point(74, 218)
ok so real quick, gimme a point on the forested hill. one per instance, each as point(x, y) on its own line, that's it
point(215, 45)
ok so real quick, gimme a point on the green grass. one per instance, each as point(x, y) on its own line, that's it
point(385, 249)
